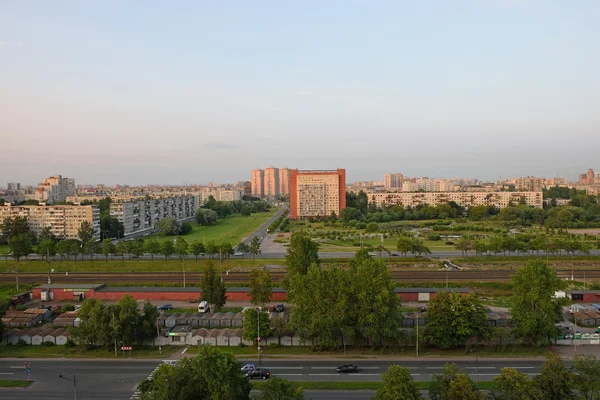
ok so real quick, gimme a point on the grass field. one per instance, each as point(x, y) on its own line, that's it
point(15, 383)
point(231, 229)
point(80, 352)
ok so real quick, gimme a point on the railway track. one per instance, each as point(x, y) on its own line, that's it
point(243, 277)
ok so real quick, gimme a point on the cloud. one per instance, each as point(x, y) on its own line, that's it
point(302, 93)
point(11, 44)
point(222, 146)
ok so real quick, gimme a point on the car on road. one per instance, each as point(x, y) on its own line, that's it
point(248, 367)
point(238, 254)
point(165, 307)
point(203, 307)
point(277, 308)
point(348, 368)
point(259, 373)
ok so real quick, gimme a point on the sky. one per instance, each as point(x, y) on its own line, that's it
point(142, 92)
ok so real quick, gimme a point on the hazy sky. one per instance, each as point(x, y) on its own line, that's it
point(164, 92)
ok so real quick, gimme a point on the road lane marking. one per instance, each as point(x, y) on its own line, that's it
point(415, 374)
point(289, 374)
point(184, 350)
point(368, 367)
point(433, 367)
point(7, 373)
point(480, 367)
point(520, 367)
point(18, 367)
point(284, 367)
point(324, 374)
point(323, 367)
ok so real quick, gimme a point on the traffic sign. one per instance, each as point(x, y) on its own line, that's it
point(128, 348)
point(259, 338)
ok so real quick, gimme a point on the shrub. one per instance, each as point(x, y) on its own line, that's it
point(21, 342)
point(68, 307)
point(21, 307)
point(186, 228)
point(48, 343)
point(70, 343)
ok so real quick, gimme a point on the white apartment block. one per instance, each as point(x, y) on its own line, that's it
point(142, 215)
point(529, 184)
point(393, 181)
point(219, 194)
point(54, 189)
point(64, 221)
point(464, 199)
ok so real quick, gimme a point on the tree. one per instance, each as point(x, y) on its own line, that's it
point(213, 288)
point(246, 211)
point(250, 325)
point(91, 248)
point(464, 246)
point(481, 247)
point(515, 385)
point(169, 226)
point(398, 384)
point(197, 248)
point(186, 228)
point(14, 226)
point(243, 248)
point(20, 246)
point(535, 310)
point(301, 253)
point(261, 287)
point(94, 321)
point(419, 247)
point(278, 388)
point(586, 372)
point(107, 248)
point(453, 318)
point(46, 234)
point(47, 248)
point(126, 320)
point(181, 247)
point(137, 248)
point(121, 249)
point(76, 248)
point(147, 323)
point(350, 213)
point(63, 248)
point(555, 380)
point(206, 217)
point(376, 310)
point(210, 375)
point(85, 232)
point(453, 384)
point(254, 246)
point(371, 227)
point(404, 245)
point(167, 249)
point(152, 248)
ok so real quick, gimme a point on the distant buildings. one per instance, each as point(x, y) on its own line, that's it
point(530, 184)
point(464, 199)
point(393, 181)
point(64, 221)
point(589, 178)
point(55, 189)
point(13, 186)
point(219, 194)
point(270, 183)
point(317, 192)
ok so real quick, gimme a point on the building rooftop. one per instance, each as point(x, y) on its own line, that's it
point(83, 286)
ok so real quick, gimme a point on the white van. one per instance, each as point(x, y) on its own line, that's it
point(203, 307)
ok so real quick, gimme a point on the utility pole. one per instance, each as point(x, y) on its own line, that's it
point(17, 276)
point(48, 261)
point(417, 333)
point(258, 335)
point(115, 332)
point(158, 338)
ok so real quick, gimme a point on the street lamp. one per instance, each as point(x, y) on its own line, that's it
point(258, 335)
point(74, 384)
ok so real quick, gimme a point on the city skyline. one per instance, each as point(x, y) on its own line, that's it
point(492, 89)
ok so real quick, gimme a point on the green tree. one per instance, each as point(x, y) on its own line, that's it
point(46, 234)
point(47, 248)
point(91, 330)
point(197, 248)
point(169, 226)
point(404, 245)
point(453, 318)
point(535, 310)
point(107, 248)
point(85, 232)
point(206, 217)
point(464, 246)
point(213, 288)
point(464, 388)
point(278, 388)
point(63, 248)
point(254, 248)
point(261, 287)
point(152, 248)
point(210, 375)
point(555, 380)
point(91, 248)
point(515, 385)
point(453, 384)
point(350, 213)
point(121, 248)
point(138, 247)
point(181, 247)
point(147, 323)
point(211, 248)
point(481, 247)
point(127, 320)
point(20, 246)
point(250, 325)
point(167, 249)
point(586, 373)
point(398, 384)
point(302, 252)
point(14, 226)
point(419, 247)
point(371, 227)
point(243, 248)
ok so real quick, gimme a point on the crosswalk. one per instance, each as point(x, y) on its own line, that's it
point(137, 394)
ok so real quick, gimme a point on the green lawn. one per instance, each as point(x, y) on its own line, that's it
point(15, 383)
point(231, 229)
point(3, 249)
point(80, 352)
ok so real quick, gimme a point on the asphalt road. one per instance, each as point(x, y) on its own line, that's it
point(111, 379)
point(262, 231)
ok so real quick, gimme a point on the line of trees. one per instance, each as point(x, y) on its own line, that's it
point(524, 243)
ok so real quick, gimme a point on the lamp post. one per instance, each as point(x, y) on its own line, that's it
point(74, 384)
point(258, 335)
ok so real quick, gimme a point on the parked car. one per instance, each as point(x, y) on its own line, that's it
point(259, 373)
point(277, 308)
point(347, 368)
point(165, 307)
point(423, 309)
point(203, 307)
point(45, 307)
point(248, 367)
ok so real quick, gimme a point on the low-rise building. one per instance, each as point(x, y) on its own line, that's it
point(464, 199)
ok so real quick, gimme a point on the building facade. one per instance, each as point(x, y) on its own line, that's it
point(13, 186)
point(393, 181)
point(64, 221)
point(530, 184)
point(284, 182)
point(271, 185)
point(317, 192)
point(143, 215)
point(464, 199)
point(258, 183)
point(55, 189)
point(219, 194)
point(589, 178)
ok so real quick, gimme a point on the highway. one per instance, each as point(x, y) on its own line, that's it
point(117, 379)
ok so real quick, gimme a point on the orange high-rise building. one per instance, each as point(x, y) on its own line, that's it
point(284, 182)
point(317, 192)
point(258, 183)
point(272, 183)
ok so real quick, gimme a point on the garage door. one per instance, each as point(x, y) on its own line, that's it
point(423, 296)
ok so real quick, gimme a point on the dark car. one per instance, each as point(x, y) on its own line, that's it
point(44, 307)
point(347, 368)
point(277, 308)
point(165, 307)
point(259, 373)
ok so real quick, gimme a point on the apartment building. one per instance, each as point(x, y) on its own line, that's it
point(13, 186)
point(64, 221)
point(530, 184)
point(55, 189)
point(143, 215)
point(271, 183)
point(464, 199)
point(317, 192)
point(393, 181)
point(588, 178)
point(284, 182)
point(219, 194)
point(258, 183)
